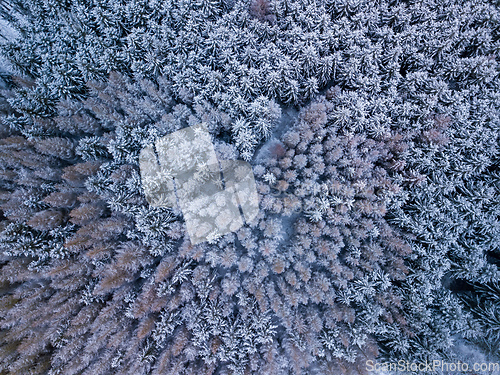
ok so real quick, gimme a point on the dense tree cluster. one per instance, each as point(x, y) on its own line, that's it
point(373, 132)
point(329, 251)
point(233, 53)
point(453, 215)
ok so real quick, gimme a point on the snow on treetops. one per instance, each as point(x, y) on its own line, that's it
point(370, 131)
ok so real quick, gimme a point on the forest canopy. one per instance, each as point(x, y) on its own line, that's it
point(372, 129)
